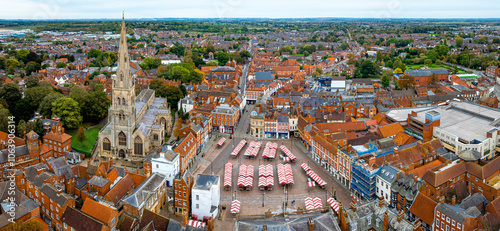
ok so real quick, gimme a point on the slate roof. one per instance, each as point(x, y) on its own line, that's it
point(51, 192)
point(148, 187)
point(474, 200)
point(98, 181)
point(80, 221)
point(61, 167)
point(264, 76)
point(456, 213)
point(204, 182)
point(388, 173)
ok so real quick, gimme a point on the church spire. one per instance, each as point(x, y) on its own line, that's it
point(124, 79)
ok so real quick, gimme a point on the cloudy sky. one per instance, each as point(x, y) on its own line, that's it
point(85, 9)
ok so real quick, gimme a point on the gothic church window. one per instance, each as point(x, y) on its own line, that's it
point(138, 146)
point(122, 139)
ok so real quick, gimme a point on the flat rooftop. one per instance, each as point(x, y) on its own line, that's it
point(401, 114)
point(468, 121)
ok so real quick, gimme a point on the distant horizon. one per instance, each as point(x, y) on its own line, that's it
point(236, 18)
point(256, 9)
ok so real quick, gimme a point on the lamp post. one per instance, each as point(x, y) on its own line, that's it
point(263, 195)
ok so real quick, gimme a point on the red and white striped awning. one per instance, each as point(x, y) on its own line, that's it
point(287, 152)
point(243, 170)
point(305, 167)
point(249, 182)
point(238, 147)
point(196, 224)
point(250, 170)
point(309, 203)
point(221, 141)
point(262, 181)
point(356, 199)
point(317, 203)
point(227, 179)
point(333, 203)
point(241, 181)
point(316, 178)
point(270, 181)
point(311, 184)
point(228, 174)
point(235, 206)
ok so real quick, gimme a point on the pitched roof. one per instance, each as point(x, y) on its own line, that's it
point(390, 129)
point(99, 211)
point(159, 222)
point(423, 208)
point(80, 221)
point(120, 189)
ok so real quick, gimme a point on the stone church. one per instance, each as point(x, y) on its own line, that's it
point(136, 124)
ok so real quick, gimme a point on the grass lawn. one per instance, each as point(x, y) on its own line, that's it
point(87, 145)
point(432, 66)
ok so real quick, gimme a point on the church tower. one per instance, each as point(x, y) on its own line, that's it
point(122, 112)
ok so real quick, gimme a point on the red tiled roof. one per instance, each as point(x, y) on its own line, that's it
point(423, 207)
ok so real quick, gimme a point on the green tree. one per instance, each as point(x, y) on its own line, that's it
point(23, 110)
point(222, 58)
point(21, 128)
point(4, 118)
point(22, 55)
point(45, 107)
point(183, 89)
point(35, 95)
point(95, 104)
point(12, 63)
point(11, 94)
point(81, 134)
point(173, 94)
point(406, 81)
point(61, 65)
point(68, 110)
point(459, 41)
point(385, 81)
point(150, 63)
point(77, 93)
point(344, 45)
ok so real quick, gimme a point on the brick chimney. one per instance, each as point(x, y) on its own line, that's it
point(440, 199)
point(354, 207)
point(400, 215)
point(417, 224)
point(381, 202)
point(264, 228)
point(386, 221)
point(396, 151)
point(454, 200)
point(59, 190)
point(310, 222)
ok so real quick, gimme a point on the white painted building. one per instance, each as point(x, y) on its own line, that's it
point(205, 196)
point(186, 104)
point(164, 161)
point(385, 178)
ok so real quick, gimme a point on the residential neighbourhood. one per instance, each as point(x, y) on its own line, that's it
point(258, 124)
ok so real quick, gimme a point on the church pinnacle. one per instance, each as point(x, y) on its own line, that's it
point(124, 78)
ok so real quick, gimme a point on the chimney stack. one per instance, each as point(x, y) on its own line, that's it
point(386, 221)
point(310, 222)
point(264, 228)
point(400, 215)
point(381, 202)
point(396, 150)
point(416, 225)
point(354, 207)
point(454, 200)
